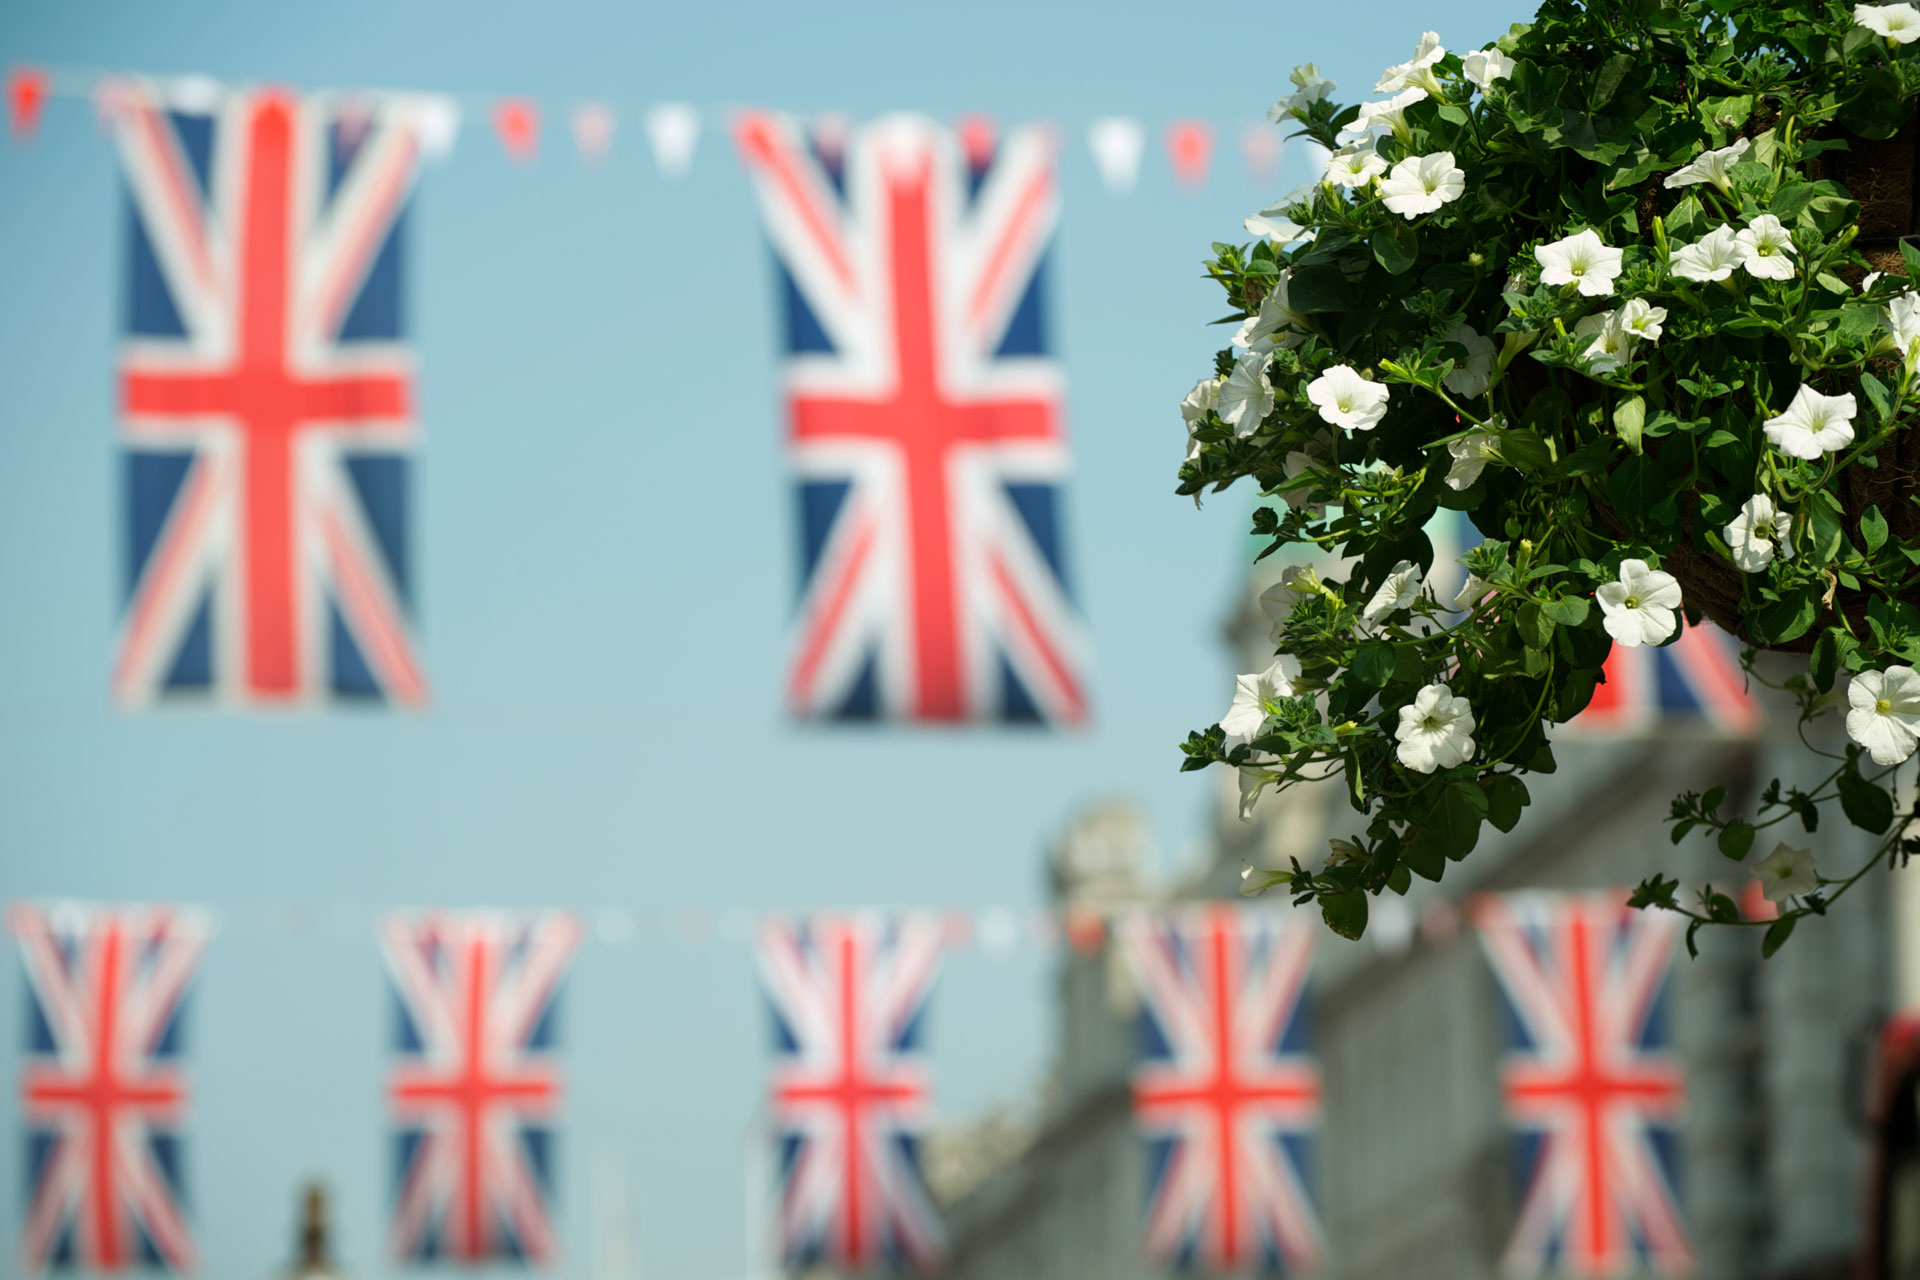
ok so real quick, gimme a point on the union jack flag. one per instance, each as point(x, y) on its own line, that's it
point(475, 1090)
point(850, 1093)
point(266, 400)
point(102, 1089)
point(1226, 1092)
point(1592, 1084)
point(1698, 675)
point(924, 420)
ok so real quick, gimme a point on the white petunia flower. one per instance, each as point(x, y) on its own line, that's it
point(1257, 332)
point(1712, 257)
point(1611, 346)
point(1583, 259)
point(1710, 166)
point(1390, 114)
point(1247, 397)
point(1348, 400)
point(1866, 283)
point(1787, 873)
point(1421, 184)
point(1472, 591)
point(1758, 534)
point(1252, 693)
point(1252, 782)
point(1399, 591)
point(1471, 454)
point(1813, 424)
point(1902, 322)
point(1639, 319)
point(1885, 718)
point(1199, 403)
point(1309, 87)
point(1355, 165)
point(1277, 601)
point(1899, 23)
point(1417, 71)
point(1273, 224)
point(1484, 66)
point(1638, 608)
point(1470, 376)
point(1435, 731)
point(1295, 464)
point(1766, 248)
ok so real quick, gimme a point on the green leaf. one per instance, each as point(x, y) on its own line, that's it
point(1536, 628)
point(1736, 838)
point(1400, 879)
point(1873, 530)
point(1824, 532)
point(1777, 934)
point(1345, 913)
point(1396, 247)
point(1877, 394)
point(1629, 419)
point(1524, 448)
point(1317, 287)
point(1868, 805)
point(1792, 201)
point(1456, 819)
point(1506, 797)
point(1373, 664)
point(1786, 620)
point(1636, 485)
point(1911, 256)
point(1568, 611)
point(1421, 853)
point(1824, 661)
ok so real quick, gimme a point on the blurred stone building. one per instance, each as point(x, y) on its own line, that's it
point(1414, 1173)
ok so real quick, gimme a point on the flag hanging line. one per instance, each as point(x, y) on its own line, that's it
point(1116, 144)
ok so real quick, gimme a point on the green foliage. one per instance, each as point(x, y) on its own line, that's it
point(1579, 431)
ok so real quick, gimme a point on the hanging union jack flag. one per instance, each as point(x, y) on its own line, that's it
point(266, 400)
point(475, 1088)
point(1226, 1093)
point(102, 1090)
point(850, 1092)
point(1696, 676)
point(923, 420)
point(1592, 1084)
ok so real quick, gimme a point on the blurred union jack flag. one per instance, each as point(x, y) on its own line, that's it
point(1697, 676)
point(924, 420)
point(475, 1087)
point(1226, 1091)
point(850, 1092)
point(266, 400)
point(1591, 1082)
point(102, 1091)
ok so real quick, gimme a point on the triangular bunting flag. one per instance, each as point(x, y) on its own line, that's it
point(26, 95)
point(1117, 144)
point(673, 130)
point(593, 132)
point(438, 120)
point(1261, 146)
point(517, 121)
point(976, 140)
point(1189, 150)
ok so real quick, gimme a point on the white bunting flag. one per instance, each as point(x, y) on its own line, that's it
point(1117, 144)
point(438, 119)
point(1261, 146)
point(593, 132)
point(674, 129)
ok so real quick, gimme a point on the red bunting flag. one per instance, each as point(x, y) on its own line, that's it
point(26, 95)
point(517, 121)
point(1189, 149)
point(976, 140)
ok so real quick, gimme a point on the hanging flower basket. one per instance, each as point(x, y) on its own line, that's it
point(1630, 289)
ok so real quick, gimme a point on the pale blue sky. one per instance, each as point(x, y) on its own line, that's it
point(605, 564)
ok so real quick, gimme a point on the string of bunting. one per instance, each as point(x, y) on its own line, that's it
point(1117, 144)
